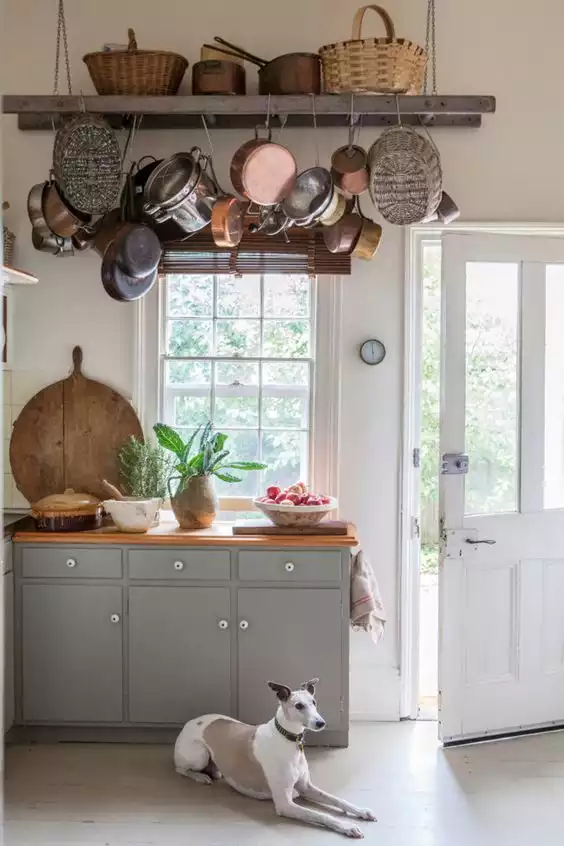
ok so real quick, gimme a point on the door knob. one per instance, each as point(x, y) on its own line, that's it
point(178, 565)
point(289, 566)
point(71, 562)
point(114, 618)
point(223, 624)
point(488, 541)
point(244, 624)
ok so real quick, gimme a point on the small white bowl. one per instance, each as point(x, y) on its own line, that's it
point(133, 515)
point(295, 515)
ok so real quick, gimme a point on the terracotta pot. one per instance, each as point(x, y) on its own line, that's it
point(196, 505)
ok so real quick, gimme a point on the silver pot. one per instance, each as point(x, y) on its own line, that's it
point(310, 197)
point(179, 189)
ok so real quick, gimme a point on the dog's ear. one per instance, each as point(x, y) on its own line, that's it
point(310, 686)
point(282, 691)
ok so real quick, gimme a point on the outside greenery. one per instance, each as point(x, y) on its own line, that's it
point(263, 405)
point(491, 387)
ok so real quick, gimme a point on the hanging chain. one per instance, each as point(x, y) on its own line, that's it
point(431, 49)
point(61, 30)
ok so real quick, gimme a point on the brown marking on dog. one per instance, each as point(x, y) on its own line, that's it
point(231, 746)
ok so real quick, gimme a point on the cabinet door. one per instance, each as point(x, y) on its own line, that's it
point(8, 583)
point(289, 635)
point(179, 653)
point(72, 653)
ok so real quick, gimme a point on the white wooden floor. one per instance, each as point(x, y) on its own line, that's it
point(508, 794)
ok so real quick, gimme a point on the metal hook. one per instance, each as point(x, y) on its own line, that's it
point(208, 136)
point(267, 121)
point(351, 122)
point(283, 122)
point(398, 110)
point(82, 103)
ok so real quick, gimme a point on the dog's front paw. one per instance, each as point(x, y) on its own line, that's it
point(366, 814)
point(352, 831)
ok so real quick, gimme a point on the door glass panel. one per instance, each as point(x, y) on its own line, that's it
point(554, 389)
point(492, 371)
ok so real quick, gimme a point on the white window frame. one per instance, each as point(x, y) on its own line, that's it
point(415, 237)
point(325, 388)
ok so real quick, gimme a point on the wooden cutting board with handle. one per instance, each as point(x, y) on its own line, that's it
point(69, 436)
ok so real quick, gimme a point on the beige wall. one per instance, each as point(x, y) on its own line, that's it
point(508, 170)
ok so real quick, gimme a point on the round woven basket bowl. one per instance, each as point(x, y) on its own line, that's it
point(295, 515)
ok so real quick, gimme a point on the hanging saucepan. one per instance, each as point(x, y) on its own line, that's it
point(337, 208)
point(349, 169)
point(272, 221)
point(179, 189)
point(51, 243)
point(130, 263)
point(60, 217)
point(342, 236)
point(227, 222)
point(447, 210)
point(310, 197)
point(262, 171)
point(35, 210)
point(369, 237)
point(167, 231)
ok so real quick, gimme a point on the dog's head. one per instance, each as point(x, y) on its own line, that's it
point(299, 706)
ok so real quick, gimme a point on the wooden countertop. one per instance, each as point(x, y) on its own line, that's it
point(168, 533)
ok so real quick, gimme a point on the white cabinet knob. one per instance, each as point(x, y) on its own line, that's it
point(244, 624)
point(223, 624)
point(179, 565)
point(71, 562)
point(289, 566)
point(114, 618)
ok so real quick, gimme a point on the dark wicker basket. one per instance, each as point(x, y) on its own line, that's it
point(133, 71)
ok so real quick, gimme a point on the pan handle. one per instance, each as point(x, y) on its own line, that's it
point(255, 60)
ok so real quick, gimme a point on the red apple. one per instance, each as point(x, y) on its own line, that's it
point(294, 497)
point(273, 491)
point(280, 498)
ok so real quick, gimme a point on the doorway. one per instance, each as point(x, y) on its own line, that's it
point(483, 486)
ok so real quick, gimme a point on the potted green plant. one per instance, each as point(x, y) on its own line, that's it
point(145, 469)
point(199, 459)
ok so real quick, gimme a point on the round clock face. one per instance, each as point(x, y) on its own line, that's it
point(372, 352)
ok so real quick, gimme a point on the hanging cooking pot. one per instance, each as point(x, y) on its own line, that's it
point(263, 171)
point(369, 238)
point(310, 197)
point(35, 210)
point(338, 207)
point(272, 221)
point(349, 169)
point(130, 263)
point(166, 231)
point(179, 189)
point(227, 221)
point(52, 243)
point(60, 217)
point(447, 210)
point(342, 236)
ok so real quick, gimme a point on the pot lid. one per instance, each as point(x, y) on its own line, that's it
point(67, 503)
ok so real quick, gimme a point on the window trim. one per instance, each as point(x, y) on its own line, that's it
point(325, 390)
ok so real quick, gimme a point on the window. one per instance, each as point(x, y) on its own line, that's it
point(241, 351)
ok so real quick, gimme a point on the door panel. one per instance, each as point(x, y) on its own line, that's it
point(293, 635)
point(501, 664)
point(72, 653)
point(179, 657)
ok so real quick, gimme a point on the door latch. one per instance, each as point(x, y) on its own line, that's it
point(454, 464)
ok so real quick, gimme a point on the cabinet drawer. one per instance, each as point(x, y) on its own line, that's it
point(67, 562)
point(179, 564)
point(288, 565)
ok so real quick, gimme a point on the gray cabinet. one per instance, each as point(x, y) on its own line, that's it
point(8, 587)
point(179, 653)
point(72, 653)
point(289, 636)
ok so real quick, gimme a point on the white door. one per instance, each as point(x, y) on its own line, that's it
point(501, 585)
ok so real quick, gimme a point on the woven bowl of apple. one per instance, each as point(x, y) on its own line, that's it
point(295, 505)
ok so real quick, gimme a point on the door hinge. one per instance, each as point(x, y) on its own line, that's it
point(417, 457)
point(342, 705)
point(439, 701)
point(416, 527)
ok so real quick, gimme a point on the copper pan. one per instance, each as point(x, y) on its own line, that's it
point(227, 222)
point(60, 217)
point(349, 169)
point(262, 171)
point(342, 236)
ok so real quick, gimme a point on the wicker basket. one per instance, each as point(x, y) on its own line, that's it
point(405, 176)
point(374, 65)
point(134, 71)
point(8, 239)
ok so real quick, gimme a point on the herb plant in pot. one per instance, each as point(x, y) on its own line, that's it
point(145, 468)
point(203, 456)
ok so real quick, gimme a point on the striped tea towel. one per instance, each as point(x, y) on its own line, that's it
point(367, 608)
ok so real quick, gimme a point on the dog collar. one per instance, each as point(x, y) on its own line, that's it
point(298, 739)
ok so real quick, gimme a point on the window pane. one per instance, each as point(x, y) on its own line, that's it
point(492, 301)
point(243, 446)
point(286, 338)
point(284, 412)
point(238, 297)
point(238, 337)
point(236, 373)
point(286, 296)
point(188, 373)
point(190, 337)
point(285, 453)
point(554, 389)
point(190, 411)
point(189, 296)
point(285, 373)
point(233, 411)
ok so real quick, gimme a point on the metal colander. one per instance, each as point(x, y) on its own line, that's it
point(87, 164)
point(405, 176)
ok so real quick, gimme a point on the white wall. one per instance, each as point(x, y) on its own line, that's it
point(508, 170)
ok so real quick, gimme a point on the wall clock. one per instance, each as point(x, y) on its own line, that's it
point(372, 351)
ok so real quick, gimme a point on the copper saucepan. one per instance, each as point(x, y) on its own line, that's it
point(342, 236)
point(263, 171)
point(227, 222)
point(349, 169)
point(60, 217)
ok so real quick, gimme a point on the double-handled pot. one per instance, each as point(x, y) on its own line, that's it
point(60, 217)
point(180, 189)
point(263, 171)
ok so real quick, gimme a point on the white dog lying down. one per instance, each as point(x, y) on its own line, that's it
point(266, 761)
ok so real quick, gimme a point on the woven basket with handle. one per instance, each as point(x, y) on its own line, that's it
point(387, 65)
point(8, 240)
point(134, 71)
